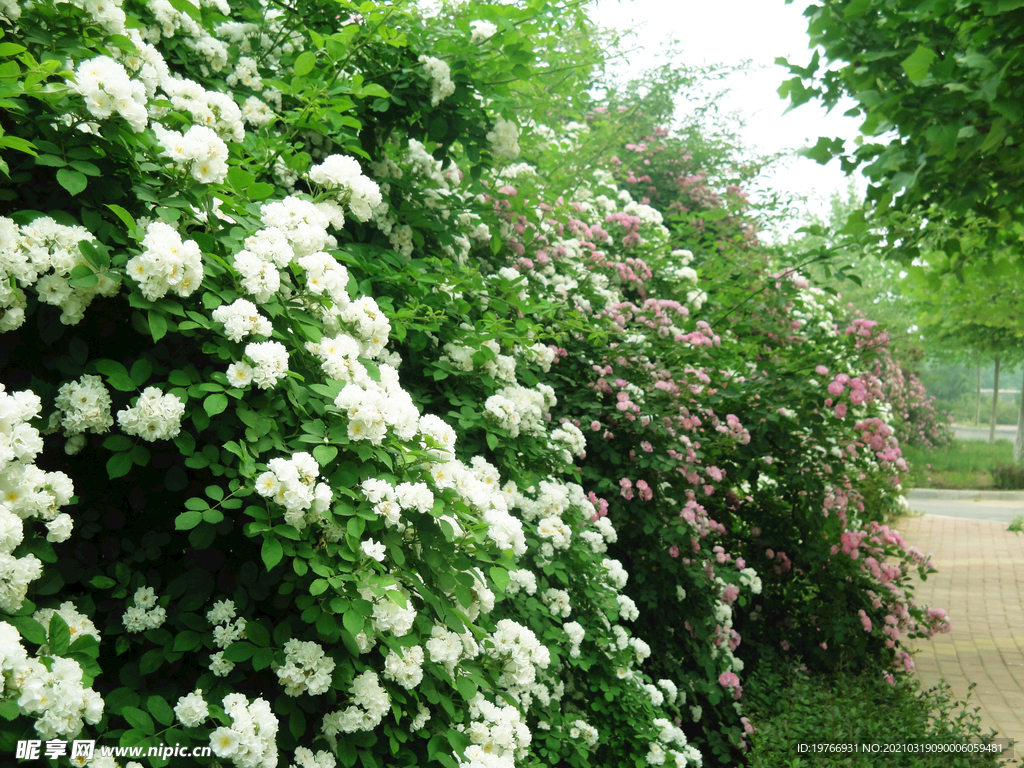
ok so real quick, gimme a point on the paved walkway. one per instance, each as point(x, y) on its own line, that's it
point(981, 584)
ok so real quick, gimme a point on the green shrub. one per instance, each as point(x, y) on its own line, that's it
point(789, 707)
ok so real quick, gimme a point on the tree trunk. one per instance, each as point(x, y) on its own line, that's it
point(1018, 443)
point(977, 404)
point(995, 405)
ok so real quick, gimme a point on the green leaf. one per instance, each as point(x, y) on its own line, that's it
point(10, 49)
point(917, 64)
point(257, 633)
point(353, 622)
point(466, 687)
point(141, 371)
point(82, 276)
point(188, 520)
point(157, 324)
point(500, 577)
point(139, 719)
point(119, 465)
point(259, 191)
point(522, 72)
point(123, 215)
point(239, 651)
point(118, 443)
point(73, 181)
point(29, 628)
point(188, 640)
point(215, 404)
point(9, 710)
point(89, 169)
point(102, 582)
point(318, 587)
point(325, 454)
point(304, 64)
point(160, 709)
point(272, 552)
point(58, 635)
point(492, 441)
point(116, 374)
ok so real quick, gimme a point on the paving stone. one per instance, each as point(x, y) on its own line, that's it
point(981, 585)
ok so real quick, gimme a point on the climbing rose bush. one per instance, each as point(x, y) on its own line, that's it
point(355, 410)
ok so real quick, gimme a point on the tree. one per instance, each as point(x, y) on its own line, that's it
point(937, 83)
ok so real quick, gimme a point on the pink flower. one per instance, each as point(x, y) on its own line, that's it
point(841, 410)
point(865, 620)
point(747, 727)
point(730, 593)
point(627, 488)
point(646, 446)
point(646, 493)
point(821, 370)
point(835, 388)
point(595, 425)
point(785, 645)
point(673, 551)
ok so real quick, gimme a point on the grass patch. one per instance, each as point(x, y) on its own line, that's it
point(846, 707)
point(965, 464)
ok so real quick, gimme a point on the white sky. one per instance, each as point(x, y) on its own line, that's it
point(729, 32)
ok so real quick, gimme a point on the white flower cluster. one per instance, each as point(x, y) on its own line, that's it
point(570, 436)
point(371, 407)
point(240, 319)
point(257, 112)
point(481, 31)
point(269, 364)
point(302, 222)
point(32, 250)
point(522, 579)
point(388, 501)
point(25, 492)
point(541, 354)
point(671, 691)
point(440, 75)
point(553, 529)
point(167, 263)
point(54, 697)
point(581, 729)
point(671, 736)
point(391, 614)
point(144, 613)
point(250, 742)
point(504, 138)
point(520, 652)
point(326, 277)
point(442, 436)
point(107, 88)
point(342, 176)
point(750, 579)
point(208, 108)
point(576, 634)
point(627, 608)
point(155, 416)
point(192, 710)
point(292, 484)
point(519, 410)
point(307, 669)
point(83, 406)
point(557, 601)
point(304, 758)
point(225, 632)
point(614, 573)
point(105, 14)
point(449, 648)
point(498, 735)
point(199, 151)
point(78, 623)
point(370, 702)
point(478, 486)
point(405, 669)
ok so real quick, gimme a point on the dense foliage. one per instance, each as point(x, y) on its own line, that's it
point(358, 395)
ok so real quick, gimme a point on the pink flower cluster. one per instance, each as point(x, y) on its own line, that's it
point(731, 683)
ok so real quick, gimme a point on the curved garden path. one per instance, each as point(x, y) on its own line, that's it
point(981, 584)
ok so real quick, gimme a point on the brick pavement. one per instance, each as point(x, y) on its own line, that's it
point(980, 583)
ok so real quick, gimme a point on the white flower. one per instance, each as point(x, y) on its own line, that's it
point(374, 550)
point(192, 710)
point(155, 416)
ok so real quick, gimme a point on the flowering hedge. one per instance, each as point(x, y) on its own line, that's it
point(353, 409)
